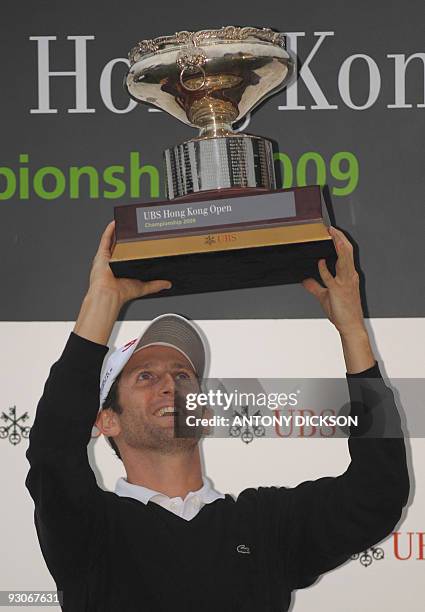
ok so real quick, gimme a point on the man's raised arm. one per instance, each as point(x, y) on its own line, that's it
point(60, 480)
point(329, 519)
point(107, 294)
point(340, 300)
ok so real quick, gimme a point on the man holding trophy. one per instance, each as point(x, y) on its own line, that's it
point(165, 539)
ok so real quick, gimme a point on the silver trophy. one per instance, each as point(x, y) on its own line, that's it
point(243, 231)
point(211, 80)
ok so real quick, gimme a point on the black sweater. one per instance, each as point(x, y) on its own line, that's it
point(115, 554)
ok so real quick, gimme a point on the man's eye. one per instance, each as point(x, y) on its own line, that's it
point(144, 375)
point(183, 376)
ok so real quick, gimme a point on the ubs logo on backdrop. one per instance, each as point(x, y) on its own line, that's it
point(349, 96)
point(368, 556)
point(405, 546)
point(409, 545)
point(13, 428)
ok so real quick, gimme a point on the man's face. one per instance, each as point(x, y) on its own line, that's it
point(151, 389)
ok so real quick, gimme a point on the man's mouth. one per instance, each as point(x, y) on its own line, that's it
point(166, 411)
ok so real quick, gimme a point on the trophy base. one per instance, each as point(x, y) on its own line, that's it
point(259, 238)
point(226, 270)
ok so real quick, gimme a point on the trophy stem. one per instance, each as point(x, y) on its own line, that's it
point(213, 116)
point(222, 162)
point(216, 128)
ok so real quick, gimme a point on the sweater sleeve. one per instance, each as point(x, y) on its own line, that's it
point(60, 480)
point(330, 519)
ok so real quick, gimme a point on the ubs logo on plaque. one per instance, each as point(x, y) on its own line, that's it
point(219, 238)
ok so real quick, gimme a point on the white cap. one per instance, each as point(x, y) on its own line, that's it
point(166, 330)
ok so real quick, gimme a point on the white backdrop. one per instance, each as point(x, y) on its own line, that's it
point(239, 348)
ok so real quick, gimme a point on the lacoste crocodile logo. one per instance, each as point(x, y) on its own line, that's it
point(242, 549)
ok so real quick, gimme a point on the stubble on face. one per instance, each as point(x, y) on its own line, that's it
point(139, 432)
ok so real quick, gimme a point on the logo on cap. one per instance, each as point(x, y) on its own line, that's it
point(127, 346)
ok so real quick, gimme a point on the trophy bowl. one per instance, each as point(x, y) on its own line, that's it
point(210, 80)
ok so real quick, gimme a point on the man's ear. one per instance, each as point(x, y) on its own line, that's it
point(108, 423)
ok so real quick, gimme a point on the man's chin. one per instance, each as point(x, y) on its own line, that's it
point(184, 431)
point(171, 432)
point(172, 445)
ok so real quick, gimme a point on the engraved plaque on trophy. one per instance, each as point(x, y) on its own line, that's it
point(224, 225)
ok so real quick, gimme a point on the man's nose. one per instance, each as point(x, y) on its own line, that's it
point(167, 384)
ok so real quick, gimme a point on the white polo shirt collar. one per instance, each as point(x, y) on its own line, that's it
point(186, 508)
